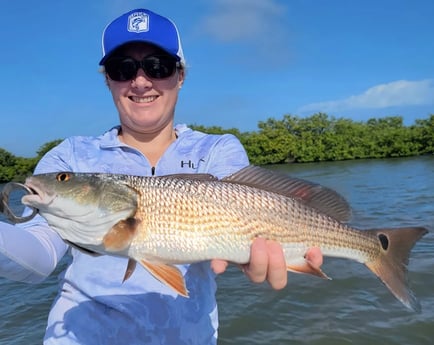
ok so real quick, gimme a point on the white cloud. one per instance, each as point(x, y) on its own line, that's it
point(243, 19)
point(393, 94)
point(258, 26)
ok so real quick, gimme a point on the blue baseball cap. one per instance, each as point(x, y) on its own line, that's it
point(142, 25)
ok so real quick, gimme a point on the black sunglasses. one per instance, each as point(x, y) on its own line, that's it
point(124, 68)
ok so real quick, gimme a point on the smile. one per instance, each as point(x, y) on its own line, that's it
point(148, 99)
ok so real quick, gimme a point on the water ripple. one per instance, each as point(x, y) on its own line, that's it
point(354, 308)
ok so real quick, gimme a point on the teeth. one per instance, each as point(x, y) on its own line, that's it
point(143, 99)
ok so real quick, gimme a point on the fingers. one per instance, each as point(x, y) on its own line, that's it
point(218, 266)
point(257, 268)
point(267, 262)
point(277, 272)
point(314, 257)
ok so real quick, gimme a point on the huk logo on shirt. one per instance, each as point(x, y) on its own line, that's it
point(138, 22)
point(190, 164)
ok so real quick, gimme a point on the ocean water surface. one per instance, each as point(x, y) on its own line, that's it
point(352, 308)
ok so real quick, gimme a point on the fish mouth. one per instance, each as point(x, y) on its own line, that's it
point(36, 196)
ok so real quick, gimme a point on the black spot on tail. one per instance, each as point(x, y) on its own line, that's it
point(384, 241)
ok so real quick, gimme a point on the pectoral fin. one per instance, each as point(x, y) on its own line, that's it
point(120, 235)
point(167, 274)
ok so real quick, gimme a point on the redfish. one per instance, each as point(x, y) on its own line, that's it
point(159, 222)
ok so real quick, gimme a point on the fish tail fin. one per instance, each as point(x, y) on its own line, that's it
point(391, 266)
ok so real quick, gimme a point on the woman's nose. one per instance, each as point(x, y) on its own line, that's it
point(141, 80)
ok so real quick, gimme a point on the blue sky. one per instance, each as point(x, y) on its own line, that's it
point(248, 60)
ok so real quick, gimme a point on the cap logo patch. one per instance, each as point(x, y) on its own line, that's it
point(138, 22)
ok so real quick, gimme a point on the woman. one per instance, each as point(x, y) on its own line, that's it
point(144, 68)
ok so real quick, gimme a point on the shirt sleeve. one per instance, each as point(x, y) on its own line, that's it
point(227, 157)
point(30, 251)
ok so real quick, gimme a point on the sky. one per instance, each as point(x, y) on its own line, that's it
point(248, 60)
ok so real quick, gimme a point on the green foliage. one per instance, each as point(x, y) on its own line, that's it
point(295, 139)
point(7, 163)
point(14, 168)
point(424, 135)
point(271, 144)
point(323, 138)
point(216, 130)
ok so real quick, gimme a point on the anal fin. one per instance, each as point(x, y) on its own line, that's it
point(307, 268)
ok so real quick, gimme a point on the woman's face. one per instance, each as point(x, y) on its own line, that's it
point(145, 105)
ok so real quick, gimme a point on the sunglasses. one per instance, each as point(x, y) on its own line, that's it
point(155, 67)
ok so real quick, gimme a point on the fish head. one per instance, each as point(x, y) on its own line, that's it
point(82, 207)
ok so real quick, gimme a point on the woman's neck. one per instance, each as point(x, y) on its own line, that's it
point(152, 145)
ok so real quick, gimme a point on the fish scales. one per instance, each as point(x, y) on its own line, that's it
point(212, 218)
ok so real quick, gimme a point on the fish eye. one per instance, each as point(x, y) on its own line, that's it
point(63, 177)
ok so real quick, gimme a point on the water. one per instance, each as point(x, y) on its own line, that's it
point(353, 308)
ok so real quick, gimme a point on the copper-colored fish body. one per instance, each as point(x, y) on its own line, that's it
point(162, 221)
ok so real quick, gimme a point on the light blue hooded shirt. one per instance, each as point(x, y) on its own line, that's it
point(93, 306)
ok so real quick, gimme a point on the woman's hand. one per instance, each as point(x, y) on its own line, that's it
point(267, 262)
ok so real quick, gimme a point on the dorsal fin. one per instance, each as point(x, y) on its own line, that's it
point(199, 177)
point(311, 194)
